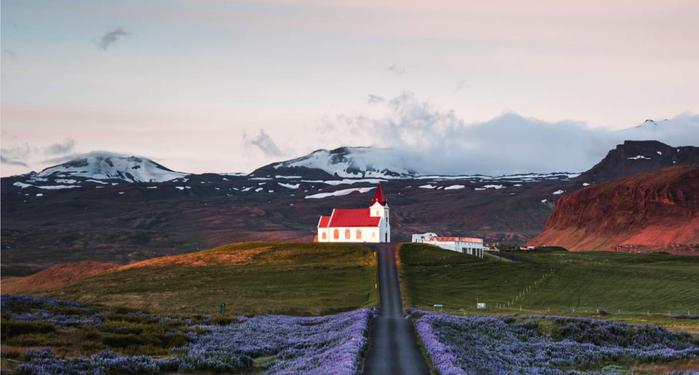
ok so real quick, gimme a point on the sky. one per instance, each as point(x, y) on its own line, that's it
point(227, 86)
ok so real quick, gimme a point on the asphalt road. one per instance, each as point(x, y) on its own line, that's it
point(393, 346)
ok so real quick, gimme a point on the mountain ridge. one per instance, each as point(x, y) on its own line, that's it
point(633, 157)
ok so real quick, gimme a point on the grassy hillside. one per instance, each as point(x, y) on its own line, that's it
point(552, 281)
point(250, 278)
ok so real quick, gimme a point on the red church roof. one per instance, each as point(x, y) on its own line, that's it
point(324, 220)
point(378, 196)
point(352, 217)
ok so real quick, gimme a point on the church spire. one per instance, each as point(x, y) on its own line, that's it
point(378, 196)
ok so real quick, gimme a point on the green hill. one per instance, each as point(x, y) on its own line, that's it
point(250, 278)
point(551, 281)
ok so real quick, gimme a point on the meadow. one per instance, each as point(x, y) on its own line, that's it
point(638, 287)
point(548, 345)
point(49, 336)
point(249, 278)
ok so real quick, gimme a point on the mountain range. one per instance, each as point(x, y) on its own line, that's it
point(107, 207)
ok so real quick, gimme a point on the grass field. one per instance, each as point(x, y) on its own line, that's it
point(620, 286)
point(250, 278)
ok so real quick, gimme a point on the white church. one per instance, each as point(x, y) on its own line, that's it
point(357, 224)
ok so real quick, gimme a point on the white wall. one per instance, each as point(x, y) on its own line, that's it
point(320, 235)
point(451, 245)
point(376, 210)
point(385, 225)
point(369, 234)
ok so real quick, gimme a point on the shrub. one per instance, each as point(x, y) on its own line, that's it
point(122, 328)
point(122, 341)
point(35, 339)
point(11, 327)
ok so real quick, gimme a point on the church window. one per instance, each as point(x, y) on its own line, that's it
point(347, 234)
point(336, 234)
point(359, 234)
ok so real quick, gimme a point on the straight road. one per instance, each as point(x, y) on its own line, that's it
point(393, 346)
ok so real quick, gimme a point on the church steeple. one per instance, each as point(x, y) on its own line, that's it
point(378, 196)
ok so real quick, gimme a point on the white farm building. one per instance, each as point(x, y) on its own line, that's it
point(357, 224)
point(465, 245)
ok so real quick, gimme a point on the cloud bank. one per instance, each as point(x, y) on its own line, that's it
point(26, 155)
point(435, 141)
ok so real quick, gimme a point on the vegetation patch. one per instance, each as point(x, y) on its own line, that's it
point(637, 287)
point(509, 345)
point(249, 278)
point(116, 341)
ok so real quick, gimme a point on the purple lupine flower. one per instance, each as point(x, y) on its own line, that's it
point(311, 345)
point(504, 345)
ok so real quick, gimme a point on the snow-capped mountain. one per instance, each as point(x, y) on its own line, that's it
point(111, 166)
point(101, 166)
point(346, 162)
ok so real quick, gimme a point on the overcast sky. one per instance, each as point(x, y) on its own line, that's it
point(226, 86)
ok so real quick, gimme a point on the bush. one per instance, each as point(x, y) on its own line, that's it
point(11, 327)
point(123, 341)
point(11, 354)
point(93, 334)
point(35, 339)
point(174, 340)
point(122, 328)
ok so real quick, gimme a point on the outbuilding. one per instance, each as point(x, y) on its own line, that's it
point(465, 245)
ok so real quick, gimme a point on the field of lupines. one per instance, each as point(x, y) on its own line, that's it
point(312, 345)
point(545, 344)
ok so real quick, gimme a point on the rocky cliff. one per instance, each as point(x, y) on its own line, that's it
point(655, 211)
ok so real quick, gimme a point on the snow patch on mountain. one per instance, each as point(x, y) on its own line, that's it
point(339, 193)
point(455, 187)
point(111, 166)
point(289, 186)
point(350, 162)
point(638, 157)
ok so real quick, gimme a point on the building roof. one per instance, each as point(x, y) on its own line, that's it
point(378, 196)
point(353, 217)
point(323, 223)
point(457, 239)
